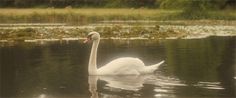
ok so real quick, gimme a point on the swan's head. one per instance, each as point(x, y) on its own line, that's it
point(92, 36)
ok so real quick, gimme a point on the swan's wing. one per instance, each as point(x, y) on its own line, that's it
point(122, 66)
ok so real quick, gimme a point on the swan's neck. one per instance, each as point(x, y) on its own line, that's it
point(92, 69)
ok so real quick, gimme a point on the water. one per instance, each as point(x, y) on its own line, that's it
point(196, 68)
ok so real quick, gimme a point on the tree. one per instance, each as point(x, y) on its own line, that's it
point(196, 9)
point(173, 4)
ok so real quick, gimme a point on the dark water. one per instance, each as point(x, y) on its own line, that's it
point(197, 68)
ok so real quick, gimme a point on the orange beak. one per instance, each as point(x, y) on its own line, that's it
point(86, 40)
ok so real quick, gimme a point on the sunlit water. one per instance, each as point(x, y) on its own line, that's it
point(197, 68)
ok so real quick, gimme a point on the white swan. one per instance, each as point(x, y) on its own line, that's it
point(121, 66)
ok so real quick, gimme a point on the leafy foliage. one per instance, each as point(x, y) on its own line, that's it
point(167, 4)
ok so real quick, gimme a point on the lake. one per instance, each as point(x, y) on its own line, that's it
point(193, 68)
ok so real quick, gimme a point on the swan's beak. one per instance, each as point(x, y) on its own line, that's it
point(86, 40)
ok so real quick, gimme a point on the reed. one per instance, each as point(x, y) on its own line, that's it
point(81, 15)
point(87, 15)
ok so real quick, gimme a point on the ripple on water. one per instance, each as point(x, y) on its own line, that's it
point(210, 85)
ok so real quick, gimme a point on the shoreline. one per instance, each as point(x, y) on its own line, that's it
point(134, 38)
point(203, 22)
point(50, 32)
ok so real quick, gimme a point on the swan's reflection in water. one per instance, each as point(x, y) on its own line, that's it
point(92, 80)
point(132, 86)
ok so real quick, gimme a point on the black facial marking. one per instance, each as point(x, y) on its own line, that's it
point(89, 36)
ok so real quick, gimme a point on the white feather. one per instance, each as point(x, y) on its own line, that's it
point(120, 66)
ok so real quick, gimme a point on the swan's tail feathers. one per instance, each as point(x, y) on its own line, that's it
point(154, 67)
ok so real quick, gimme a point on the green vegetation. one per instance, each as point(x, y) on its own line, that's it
point(80, 16)
point(78, 3)
point(106, 32)
point(83, 16)
point(82, 12)
point(176, 4)
point(74, 11)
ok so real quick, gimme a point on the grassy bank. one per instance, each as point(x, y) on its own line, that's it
point(116, 31)
point(83, 16)
point(80, 15)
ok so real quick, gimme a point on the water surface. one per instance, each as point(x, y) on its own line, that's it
point(196, 68)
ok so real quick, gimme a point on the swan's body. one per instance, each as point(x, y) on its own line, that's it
point(121, 66)
point(126, 66)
